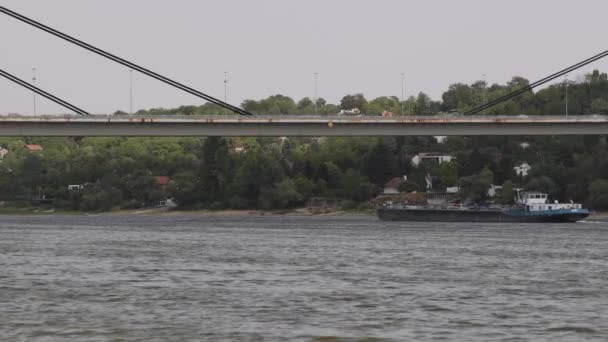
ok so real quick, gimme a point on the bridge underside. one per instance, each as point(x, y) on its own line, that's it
point(149, 127)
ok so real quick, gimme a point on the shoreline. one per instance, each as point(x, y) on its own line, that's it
point(230, 213)
point(179, 212)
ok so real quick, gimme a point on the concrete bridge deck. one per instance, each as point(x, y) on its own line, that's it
point(294, 125)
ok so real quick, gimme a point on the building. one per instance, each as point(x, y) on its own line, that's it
point(392, 186)
point(238, 149)
point(432, 157)
point(76, 187)
point(494, 190)
point(453, 190)
point(523, 170)
point(34, 148)
point(3, 153)
point(163, 181)
point(441, 139)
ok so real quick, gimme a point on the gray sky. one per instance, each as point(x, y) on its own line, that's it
point(275, 46)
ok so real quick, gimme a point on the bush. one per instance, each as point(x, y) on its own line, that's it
point(408, 186)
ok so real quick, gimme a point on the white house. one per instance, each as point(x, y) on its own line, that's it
point(523, 169)
point(493, 190)
point(433, 157)
point(3, 153)
point(453, 190)
point(441, 139)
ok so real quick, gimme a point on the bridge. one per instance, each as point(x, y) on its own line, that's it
point(298, 126)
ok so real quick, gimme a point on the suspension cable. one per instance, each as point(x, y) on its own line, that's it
point(43, 93)
point(536, 84)
point(123, 61)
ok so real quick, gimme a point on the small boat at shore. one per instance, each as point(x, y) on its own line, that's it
point(530, 207)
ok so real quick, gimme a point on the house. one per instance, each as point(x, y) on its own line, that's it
point(494, 190)
point(524, 145)
point(441, 139)
point(3, 153)
point(238, 149)
point(163, 181)
point(523, 169)
point(34, 148)
point(392, 186)
point(433, 157)
point(453, 190)
point(387, 114)
point(76, 187)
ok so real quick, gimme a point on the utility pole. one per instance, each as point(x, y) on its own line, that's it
point(316, 92)
point(402, 92)
point(34, 78)
point(131, 91)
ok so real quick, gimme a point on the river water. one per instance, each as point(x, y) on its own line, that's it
point(165, 278)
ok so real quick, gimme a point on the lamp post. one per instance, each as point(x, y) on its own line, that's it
point(566, 84)
point(131, 91)
point(226, 89)
point(402, 92)
point(34, 78)
point(316, 99)
point(484, 92)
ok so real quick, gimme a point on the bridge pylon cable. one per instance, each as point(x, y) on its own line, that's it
point(43, 93)
point(536, 84)
point(122, 61)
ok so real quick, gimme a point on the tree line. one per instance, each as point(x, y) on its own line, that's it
point(271, 173)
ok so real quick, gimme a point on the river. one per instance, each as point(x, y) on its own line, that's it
point(168, 278)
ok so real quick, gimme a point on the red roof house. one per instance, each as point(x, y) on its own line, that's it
point(34, 148)
point(162, 180)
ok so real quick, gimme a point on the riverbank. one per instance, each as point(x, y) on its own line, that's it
point(180, 212)
point(595, 217)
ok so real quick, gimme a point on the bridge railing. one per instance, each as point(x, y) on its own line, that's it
point(305, 118)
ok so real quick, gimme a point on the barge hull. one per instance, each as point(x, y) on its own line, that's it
point(436, 215)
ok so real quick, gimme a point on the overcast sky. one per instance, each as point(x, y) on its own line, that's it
point(275, 47)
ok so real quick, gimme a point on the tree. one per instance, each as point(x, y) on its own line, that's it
point(459, 97)
point(543, 184)
point(381, 164)
point(596, 76)
point(599, 106)
point(508, 193)
point(384, 103)
point(281, 195)
point(358, 101)
point(475, 188)
point(408, 186)
point(598, 194)
point(354, 186)
point(214, 169)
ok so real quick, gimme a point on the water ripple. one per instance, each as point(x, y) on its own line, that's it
point(110, 278)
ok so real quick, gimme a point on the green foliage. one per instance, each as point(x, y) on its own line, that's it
point(543, 184)
point(357, 101)
point(508, 193)
point(355, 186)
point(272, 173)
point(408, 186)
point(475, 188)
point(598, 194)
point(381, 164)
